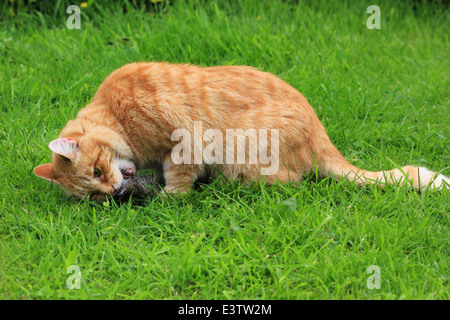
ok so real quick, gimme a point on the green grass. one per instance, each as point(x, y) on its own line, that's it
point(383, 96)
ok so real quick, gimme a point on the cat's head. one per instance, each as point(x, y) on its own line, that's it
point(87, 166)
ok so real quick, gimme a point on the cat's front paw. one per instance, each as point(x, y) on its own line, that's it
point(175, 190)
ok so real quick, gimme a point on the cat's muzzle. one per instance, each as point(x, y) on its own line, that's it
point(141, 187)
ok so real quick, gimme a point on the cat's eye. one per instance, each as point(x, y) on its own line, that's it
point(97, 173)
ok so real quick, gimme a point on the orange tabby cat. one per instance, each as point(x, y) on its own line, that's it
point(129, 125)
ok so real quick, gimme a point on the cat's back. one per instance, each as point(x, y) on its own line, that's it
point(192, 79)
point(241, 95)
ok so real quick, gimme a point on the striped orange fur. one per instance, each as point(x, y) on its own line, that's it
point(129, 123)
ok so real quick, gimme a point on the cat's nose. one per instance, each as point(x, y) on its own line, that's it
point(115, 188)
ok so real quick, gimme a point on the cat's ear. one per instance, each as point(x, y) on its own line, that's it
point(66, 147)
point(45, 171)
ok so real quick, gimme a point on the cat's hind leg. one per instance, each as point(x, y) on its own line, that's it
point(180, 178)
point(283, 175)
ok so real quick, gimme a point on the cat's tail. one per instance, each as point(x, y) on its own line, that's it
point(416, 177)
point(332, 163)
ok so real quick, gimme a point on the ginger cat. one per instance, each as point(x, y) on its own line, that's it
point(129, 125)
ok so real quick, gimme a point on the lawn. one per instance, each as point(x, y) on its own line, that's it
point(382, 94)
